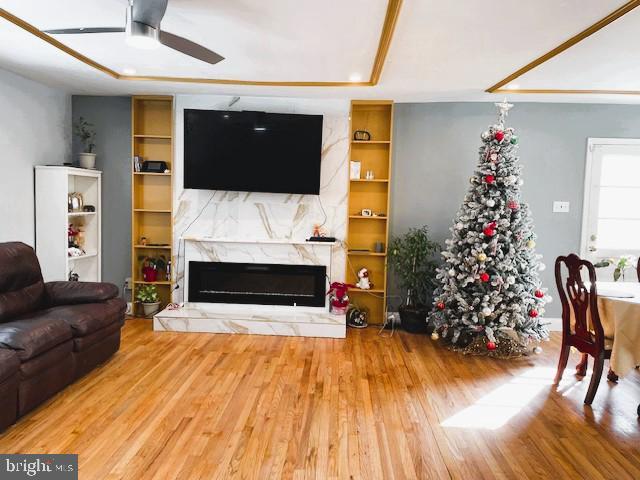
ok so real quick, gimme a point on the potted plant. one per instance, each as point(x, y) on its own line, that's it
point(87, 135)
point(411, 258)
point(621, 264)
point(148, 296)
point(150, 267)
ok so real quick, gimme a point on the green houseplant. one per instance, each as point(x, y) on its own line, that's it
point(411, 258)
point(87, 135)
point(148, 296)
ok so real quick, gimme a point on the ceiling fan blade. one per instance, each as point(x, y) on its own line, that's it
point(149, 12)
point(62, 31)
point(189, 48)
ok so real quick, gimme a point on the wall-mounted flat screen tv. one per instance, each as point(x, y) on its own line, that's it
point(252, 151)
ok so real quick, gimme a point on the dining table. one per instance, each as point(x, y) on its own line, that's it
point(619, 309)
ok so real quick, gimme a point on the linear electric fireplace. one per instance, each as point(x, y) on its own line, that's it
point(257, 283)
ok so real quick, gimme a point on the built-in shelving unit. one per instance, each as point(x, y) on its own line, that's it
point(152, 193)
point(363, 232)
point(53, 218)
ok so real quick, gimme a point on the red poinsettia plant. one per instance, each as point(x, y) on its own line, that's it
point(338, 298)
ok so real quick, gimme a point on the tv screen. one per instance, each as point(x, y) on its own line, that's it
point(252, 151)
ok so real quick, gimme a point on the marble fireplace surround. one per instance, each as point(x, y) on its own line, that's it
point(254, 319)
point(278, 222)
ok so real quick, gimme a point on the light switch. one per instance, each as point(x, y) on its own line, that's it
point(560, 207)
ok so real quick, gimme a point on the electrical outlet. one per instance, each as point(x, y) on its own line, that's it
point(560, 207)
point(128, 285)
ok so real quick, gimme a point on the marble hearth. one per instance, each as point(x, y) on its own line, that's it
point(253, 319)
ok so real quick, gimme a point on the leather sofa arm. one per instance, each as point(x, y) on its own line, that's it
point(70, 293)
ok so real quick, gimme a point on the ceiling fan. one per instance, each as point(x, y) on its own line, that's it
point(142, 28)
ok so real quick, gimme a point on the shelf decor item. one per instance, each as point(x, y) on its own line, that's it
point(355, 170)
point(87, 135)
point(151, 266)
point(148, 296)
point(361, 136)
point(412, 259)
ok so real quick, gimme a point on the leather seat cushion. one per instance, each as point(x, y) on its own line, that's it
point(9, 363)
point(82, 343)
point(87, 318)
point(38, 364)
point(21, 285)
point(33, 334)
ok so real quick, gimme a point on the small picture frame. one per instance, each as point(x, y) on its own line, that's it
point(366, 212)
point(355, 170)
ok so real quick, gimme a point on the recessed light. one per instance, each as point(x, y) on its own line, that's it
point(355, 77)
point(129, 71)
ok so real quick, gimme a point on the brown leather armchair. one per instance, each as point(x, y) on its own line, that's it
point(50, 333)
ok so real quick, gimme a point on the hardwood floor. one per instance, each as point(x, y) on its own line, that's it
point(219, 406)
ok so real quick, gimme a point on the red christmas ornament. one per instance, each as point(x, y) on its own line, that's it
point(492, 224)
point(488, 231)
point(440, 305)
point(513, 205)
point(489, 179)
point(533, 313)
point(491, 346)
point(499, 136)
point(484, 276)
point(539, 293)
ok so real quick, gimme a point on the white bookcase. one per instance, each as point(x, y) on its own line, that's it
point(53, 186)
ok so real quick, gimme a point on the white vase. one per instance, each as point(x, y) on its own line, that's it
point(150, 308)
point(87, 160)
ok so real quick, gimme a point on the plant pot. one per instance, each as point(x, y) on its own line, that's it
point(150, 308)
point(413, 319)
point(149, 274)
point(87, 160)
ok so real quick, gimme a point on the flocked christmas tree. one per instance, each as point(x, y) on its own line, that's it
point(490, 299)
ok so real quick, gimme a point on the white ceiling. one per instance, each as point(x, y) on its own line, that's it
point(441, 50)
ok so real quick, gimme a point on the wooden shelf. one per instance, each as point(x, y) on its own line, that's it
point(80, 214)
point(372, 290)
point(374, 180)
point(375, 117)
point(168, 137)
point(364, 217)
point(86, 255)
point(365, 254)
point(151, 193)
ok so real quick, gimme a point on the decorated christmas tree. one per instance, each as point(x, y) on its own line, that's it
point(490, 299)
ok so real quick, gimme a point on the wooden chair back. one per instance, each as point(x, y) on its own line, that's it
point(638, 269)
point(580, 303)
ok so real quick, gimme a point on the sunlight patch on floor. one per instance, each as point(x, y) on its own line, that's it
point(495, 409)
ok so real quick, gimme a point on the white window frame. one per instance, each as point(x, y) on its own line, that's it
point(592, 144)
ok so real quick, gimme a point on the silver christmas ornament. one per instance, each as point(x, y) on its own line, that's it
point(490, 203)
point(486, 311)
point(537, 349)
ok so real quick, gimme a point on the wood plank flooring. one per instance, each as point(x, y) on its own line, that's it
point(181, 406)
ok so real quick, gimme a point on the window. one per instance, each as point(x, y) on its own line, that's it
point(611, 214)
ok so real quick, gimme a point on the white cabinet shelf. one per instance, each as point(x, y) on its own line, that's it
point(53, 185)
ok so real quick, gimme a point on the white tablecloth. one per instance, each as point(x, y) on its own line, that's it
point(619, 308)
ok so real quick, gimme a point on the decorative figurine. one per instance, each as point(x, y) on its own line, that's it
point(363, 280)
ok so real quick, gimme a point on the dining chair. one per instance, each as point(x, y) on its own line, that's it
point(638, 273)
point(585, 332)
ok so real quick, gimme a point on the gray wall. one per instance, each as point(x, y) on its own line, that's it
point(112, 119)
point(436, 150)
point(34, 130)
